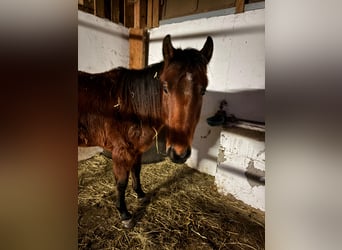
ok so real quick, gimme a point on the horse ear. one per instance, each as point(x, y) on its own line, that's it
point(208, 48)
point(168, 49)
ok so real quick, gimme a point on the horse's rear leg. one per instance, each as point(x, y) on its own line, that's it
point(136, 178)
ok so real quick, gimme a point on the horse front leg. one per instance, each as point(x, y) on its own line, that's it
point(121, 177)
point(135, 173)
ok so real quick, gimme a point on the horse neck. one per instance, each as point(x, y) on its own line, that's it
point(140, 95)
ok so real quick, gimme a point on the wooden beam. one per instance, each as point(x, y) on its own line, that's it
point(239, 6)
point(137, 48)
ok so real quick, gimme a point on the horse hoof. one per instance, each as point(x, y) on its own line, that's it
point(128, 224)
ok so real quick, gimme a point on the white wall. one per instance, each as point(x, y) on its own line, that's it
point(236, 72)
point(239, 48)
point(102, 45)
point(241, 166)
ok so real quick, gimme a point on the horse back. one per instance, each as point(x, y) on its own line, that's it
point(96, 101)
point(96, 92)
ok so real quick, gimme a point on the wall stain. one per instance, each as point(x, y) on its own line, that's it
point(221, 157)
point(255, 177)
point(205, 136)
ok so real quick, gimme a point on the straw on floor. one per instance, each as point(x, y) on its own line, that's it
point(183, 210)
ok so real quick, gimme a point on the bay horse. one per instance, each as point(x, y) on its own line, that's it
point(122, 110)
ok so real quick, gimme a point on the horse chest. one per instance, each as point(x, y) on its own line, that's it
point(141, 136)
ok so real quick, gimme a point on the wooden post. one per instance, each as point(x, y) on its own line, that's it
point(137, 48)
point(239, 6)
point(138, 37)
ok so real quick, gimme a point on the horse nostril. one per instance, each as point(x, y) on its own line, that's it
point(179, 158)
point(186, 154)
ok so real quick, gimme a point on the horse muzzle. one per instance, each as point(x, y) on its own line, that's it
point(179, 158)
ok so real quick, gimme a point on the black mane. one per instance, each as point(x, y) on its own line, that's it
point(139, 93)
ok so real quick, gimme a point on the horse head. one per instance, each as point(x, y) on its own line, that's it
point(184, 79)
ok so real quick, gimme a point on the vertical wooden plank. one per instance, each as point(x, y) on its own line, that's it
point(155, 18)
point(115, 11)
point(156, 9)
point(99, 8)
point(140, 11)
point(143, 13)
point(149, 13)
point(128, 13)
point(108, 9)
point(122, 12)
point(137, 48)
point(125, 5)
point(239, 6)
point(137, 14)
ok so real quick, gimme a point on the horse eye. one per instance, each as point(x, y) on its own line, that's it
point(202, 91)
point(165, 89)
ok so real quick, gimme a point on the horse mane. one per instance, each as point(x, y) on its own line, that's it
point(140, 93)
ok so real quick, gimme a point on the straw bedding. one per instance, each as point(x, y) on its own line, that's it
point(183, 210)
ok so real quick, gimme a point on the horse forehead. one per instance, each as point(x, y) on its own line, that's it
point(188, 76)
point(185, 76)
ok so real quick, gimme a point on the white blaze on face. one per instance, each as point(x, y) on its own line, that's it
point(188, 76)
